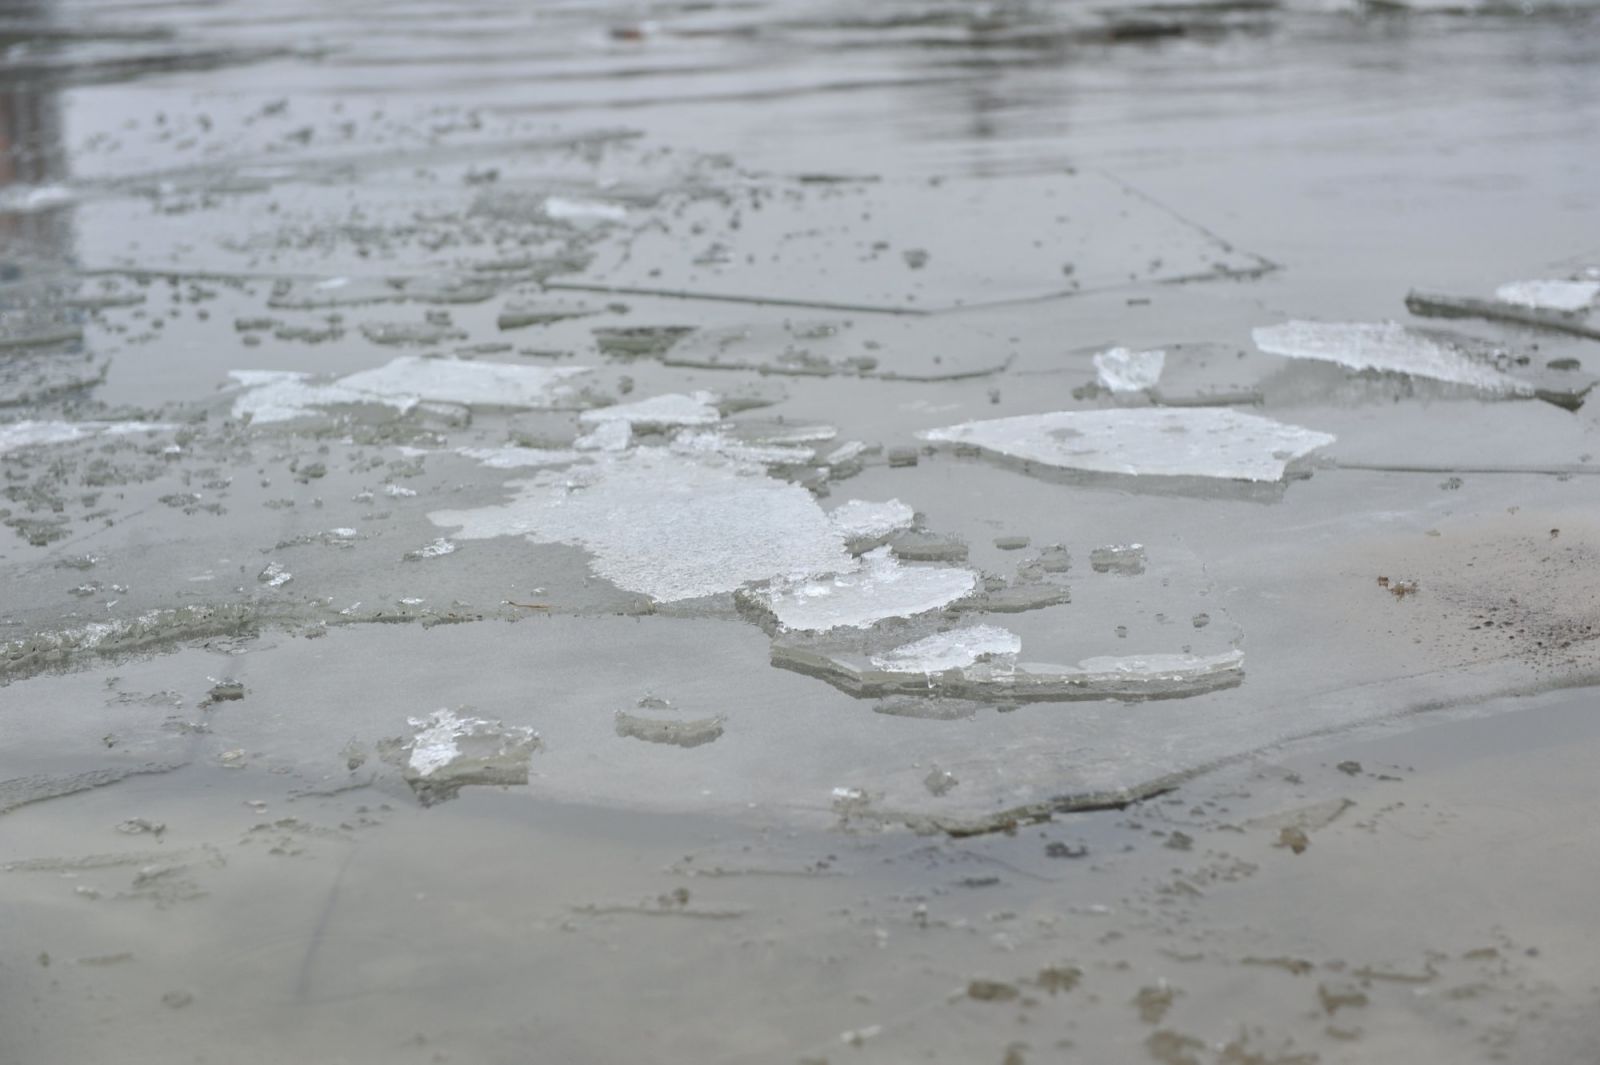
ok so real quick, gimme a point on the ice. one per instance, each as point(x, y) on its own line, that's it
point(449, 751)
point(564, 209)
point(514, 458)
point(950, 650)
point(1126, 559)
point(1124, 370)
point(859, 521)
point(894, 347)
point(1385, 346)
point(668, 525)
point(277, 396)
point(721, 443)
point(434, 549)
point(613, 435)
point(33, 433)
point(1199, 442)
point(879, 588)
point(659, 412)
point(1549, 295)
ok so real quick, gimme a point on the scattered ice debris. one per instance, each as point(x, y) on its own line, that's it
point(880, 588)
point(33, 433)
point(1388, 347)
point(398, 491)
point(274, 396)
point(449, 751)
point(866, 525)
point(1199, 442)
point(613, 435)
point(659, 412)
point(437, 549)
point(1124, 370)
point(1126, 559)
point(1550, 295)
point(274, 575)
point(950, 650)
point(1001, 678)
point(412, 333)
point(667, 525)
point(541, 312)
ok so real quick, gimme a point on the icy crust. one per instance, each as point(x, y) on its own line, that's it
point(880, 588)
point(1566, 296)
point(666, 525)
point(1388, 347)
point(1197, 442)
point(955, 649)
point(996, 676)
point(1124, 370)
point(277, 396)
point(35, 433)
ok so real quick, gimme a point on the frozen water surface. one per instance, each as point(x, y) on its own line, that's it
point(1389, 347)
point(1164, 443)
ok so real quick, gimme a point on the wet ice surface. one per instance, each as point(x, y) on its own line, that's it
point(778, 481)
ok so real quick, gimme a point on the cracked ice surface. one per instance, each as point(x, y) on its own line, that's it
point(659, 412)
point(1385, 346)
point(276, 396)
point(1202, 442)
point(1549, 295)
point(881, 588)
point(667, 525)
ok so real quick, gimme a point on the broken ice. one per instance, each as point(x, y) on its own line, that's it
point(1200, 442)
point(449, 751)
point(1123, 370)
point(950, 650)
point(865, 524)
point(881, 588)
point(1388, 347)
point(658, 412)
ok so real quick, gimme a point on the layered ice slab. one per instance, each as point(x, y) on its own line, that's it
point(1199, 442)
point(1549, 295)
point(1387, 347)
point(879, 589)
point(979, 662)
point(450, 751)
point(668, 525)
point(278, 396)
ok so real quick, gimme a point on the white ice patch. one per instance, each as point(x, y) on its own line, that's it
point(275, 396)
point(1199, 442)
point(26, 199)
point(673, 410)
point(1124, 370)
point(1385, 346)
point(712, 442)
point(1158, 667)
point(666, 525)
point(442, 736)
point(516, 458)
point(955, 649)
point(607, 436)
point(879, 588)
point(1549, 295)
point(563, 209)
point(857, 519)
point(33, 433)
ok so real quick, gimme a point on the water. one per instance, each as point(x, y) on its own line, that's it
point(791, 531)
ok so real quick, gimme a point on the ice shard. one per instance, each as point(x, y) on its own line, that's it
point(276, 396)
point(1388, 347)
point(881, 587)
point(1124, 370)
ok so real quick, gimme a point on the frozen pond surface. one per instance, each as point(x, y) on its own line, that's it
point(721, 463)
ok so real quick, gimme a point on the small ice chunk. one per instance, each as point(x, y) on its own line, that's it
point(1124, 370)
point(879, 588)
point(274, 575)
point(280, 396)
point(859, 521)
point(672, 410)
point(714, 441)
point(564, 209)
point(450, 751)
point(1384, 346)
point(955, 649)
point(1549, 295)
point(1195, 442)
point(1126, 559)
point(607, 436)
point(437, 549)
point(668, 525)
point(514, 458)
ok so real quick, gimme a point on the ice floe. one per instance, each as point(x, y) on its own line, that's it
point(1199, 442)
point(659, 412)
point(1388, 347)
point(1124, 370)
point(449, 751)
point(859, 521)
point(33, 433)
point(277, 395)
point(881, 587)
point(955, 649)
